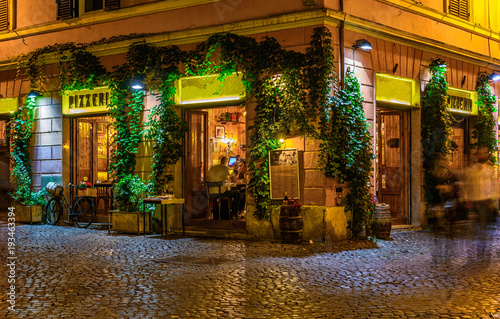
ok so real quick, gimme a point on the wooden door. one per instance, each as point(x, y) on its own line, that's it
point(85, 153)
point(458, 155)
point(4, 167)
point(196, 164)
point(392, 184)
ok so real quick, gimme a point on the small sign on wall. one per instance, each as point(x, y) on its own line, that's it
point(284, 173)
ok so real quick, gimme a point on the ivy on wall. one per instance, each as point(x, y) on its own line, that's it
point(19, 133)
point(294, 94)
point(484, 129)
point(436, 127)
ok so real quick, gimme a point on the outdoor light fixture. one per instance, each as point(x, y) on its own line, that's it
point(362, 44)
point(137, 83)
point(33, 94)
point(494, 77)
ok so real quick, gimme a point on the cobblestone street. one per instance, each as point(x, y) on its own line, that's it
point(85, 273)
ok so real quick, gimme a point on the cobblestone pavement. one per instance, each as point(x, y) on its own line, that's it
point(85, 273)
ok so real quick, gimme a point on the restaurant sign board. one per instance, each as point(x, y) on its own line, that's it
point(86, 101)
point(462, 102)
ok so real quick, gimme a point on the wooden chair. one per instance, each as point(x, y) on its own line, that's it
point(217, 196)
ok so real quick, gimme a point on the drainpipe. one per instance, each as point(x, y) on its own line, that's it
point(342, 46)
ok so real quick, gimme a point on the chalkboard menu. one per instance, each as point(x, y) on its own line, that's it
point(284, 173)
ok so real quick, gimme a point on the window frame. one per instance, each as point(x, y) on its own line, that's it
point(458, 5)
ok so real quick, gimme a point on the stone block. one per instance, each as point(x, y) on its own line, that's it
point(41, 126)
point(312, 144)
point(42, 153)
point(262, 228)
point(313, 217)
point(49, 111)
point(314, 196)
point(295, 142)
point(36, 166)
point(46, 139)
point(368, 93)
point(330, 197)
point(335, 224)
point(56, 152)
point(51, 166)
point(56, 124)
point(36, 180)
point(44, 101)
point(311, 160)
point(314, 178)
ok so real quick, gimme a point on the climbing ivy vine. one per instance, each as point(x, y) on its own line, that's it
point(294, 94)
point(484, 129)
point(19, 133)
point(436, 127)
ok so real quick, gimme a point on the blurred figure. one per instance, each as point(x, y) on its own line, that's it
point(480, 190)
point(447, 186)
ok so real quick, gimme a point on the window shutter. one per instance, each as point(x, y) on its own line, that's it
point(64, 9)
point(460, 8)
point(4, 15)
point(111, 4)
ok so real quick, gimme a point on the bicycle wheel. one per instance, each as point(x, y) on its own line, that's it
point(83, 212)
point(53, 211)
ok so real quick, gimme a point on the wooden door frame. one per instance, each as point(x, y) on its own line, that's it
point(187, 151)
point(404, 168)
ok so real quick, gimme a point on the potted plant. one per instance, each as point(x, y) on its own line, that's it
point(86, 189)
point(127, 198)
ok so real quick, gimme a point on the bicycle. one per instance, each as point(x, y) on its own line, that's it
point(82, 212)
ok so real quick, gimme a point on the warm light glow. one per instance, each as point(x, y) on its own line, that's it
point(229, 98)
point(281, 140)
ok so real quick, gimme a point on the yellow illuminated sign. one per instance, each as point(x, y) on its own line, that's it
point(397, 92)
point(86, 101)
point(8, 105)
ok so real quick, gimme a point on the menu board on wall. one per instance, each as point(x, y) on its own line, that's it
point(284, 173)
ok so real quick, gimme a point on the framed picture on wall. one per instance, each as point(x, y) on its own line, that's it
point(219, 132)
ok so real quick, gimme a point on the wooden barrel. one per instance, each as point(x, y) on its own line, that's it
point(54, 188)
point(290, 224)
point(381, 221)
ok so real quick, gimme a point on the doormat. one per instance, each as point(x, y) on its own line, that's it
point(196, 260)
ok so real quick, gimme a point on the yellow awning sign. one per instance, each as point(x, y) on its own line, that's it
point(198, 90)
point(396, 92)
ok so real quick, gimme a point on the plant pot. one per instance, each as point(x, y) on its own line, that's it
point(381, 221)
point(28, 214)
point(129, 222)
point(88, 192)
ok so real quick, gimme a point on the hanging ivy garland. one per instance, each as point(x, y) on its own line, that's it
point(436, 127)
point(484, 129)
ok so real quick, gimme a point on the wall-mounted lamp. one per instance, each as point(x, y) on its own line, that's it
point(463, 79)
point(137, 83)
point(494, 77)
point(362, 44)
point(33, 94)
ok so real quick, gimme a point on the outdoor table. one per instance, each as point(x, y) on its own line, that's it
point(163, 211)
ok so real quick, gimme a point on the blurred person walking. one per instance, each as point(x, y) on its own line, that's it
point(480, 189)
